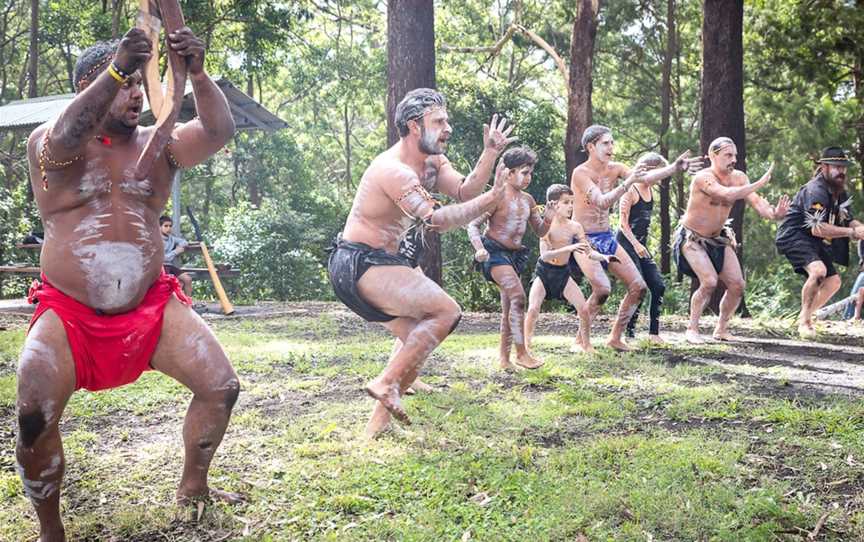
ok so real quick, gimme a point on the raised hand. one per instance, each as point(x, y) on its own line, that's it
point(501, 172)
point(697, 164)
point(782, 207)
point(133, 51)
point(550, 210)
point(187, 45)
point(767, 177)
point(682, 163)
point(495, 135)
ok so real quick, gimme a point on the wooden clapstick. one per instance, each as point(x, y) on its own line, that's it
point(169, 110)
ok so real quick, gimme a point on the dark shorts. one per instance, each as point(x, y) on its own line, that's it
point(553, 277)
point(501, 255)
point(715, 249)
point(803, 251)
point(347, 263)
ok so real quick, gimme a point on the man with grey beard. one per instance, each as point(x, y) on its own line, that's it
point(369, 270)
point(815, 234)
point(704, 246)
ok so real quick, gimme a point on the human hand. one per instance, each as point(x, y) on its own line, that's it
point(581, 248)
point(188, 45)
point(640, 249)
point(767, 177)
point(682, 163)
point(133, 52)
point(782, 207)
point(637, 174)
point(500, 177)
point(697, 164)
point(550, 210)
point(481, 255)
point(858, 232)
point(179, 250)
point(495, 135)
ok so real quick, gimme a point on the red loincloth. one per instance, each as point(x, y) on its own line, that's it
point(109, 350)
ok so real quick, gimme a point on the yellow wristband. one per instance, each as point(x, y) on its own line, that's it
point(116, 74)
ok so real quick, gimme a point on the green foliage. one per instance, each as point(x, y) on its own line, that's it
point(279, 256)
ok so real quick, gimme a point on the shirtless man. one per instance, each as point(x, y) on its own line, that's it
point(815, 234)
point(552, 278)
point(704, 245)
point(367, 270)
point(596, 189)
point(499, 252)
point(107, 311)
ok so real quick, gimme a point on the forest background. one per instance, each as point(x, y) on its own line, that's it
point(272, 203)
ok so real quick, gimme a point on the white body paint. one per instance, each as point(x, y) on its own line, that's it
point(114, 272)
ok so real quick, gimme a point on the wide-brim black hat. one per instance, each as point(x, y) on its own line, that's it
point(834, 156)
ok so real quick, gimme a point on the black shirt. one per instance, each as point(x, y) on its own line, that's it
point(815, 204)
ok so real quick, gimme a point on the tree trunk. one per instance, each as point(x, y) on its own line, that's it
point(666, 109)
point(410, 65)
point(722, 101)
point(581, 68)
point(858, 79)
point(33, 54)
point(116, 11)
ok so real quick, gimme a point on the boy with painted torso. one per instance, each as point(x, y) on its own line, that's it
point(552, 279)
point(500, 255)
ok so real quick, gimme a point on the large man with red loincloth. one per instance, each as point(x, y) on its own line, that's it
point(106, 310)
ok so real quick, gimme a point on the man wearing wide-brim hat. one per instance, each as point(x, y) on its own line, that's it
point(815, 234)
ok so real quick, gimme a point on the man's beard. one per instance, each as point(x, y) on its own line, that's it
point(837, 181)
point(731, 167)
point(429, 143)
point(117, 126)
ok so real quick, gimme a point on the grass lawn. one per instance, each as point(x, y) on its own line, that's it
point(638, 446)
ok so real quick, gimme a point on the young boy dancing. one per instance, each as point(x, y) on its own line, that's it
point(552, 278)
point(500, 254)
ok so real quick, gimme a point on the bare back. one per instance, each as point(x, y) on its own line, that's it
point(707, 215)
point(102, 242)
point(593, 218)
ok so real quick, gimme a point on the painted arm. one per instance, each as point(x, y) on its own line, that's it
point(82, 118)
point(540, 224)
point(461, 188)
point(624, 206)
point(475, 236)
point(766, 210)
point(729, 194)
point(201, 138)
point(582, 183)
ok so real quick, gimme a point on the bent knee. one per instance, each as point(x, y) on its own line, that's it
point(638, 287)
point(31, 425)
point(736, 287)
point(602, 294)
point(708, 285)
point(229, 392)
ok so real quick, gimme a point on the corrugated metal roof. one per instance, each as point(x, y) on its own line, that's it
point(248, 114)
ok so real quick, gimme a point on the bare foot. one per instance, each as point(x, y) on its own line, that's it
point(579, 348)
point(527, 361)
point(389, 398)
point(378, 423)
point(184, 499)
point(693, 337)
point(506, 365)
point(725, 336)
point(422, 387)
point(806, 331)
point(656, 339)
point(618, 345)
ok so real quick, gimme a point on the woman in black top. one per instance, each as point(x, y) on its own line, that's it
point(635, 207)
